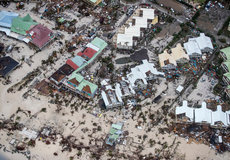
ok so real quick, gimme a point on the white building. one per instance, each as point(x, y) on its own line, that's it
point(132, 30)
point(111, 97)
point(142, 73)
point(203, 115)
point(195, 46)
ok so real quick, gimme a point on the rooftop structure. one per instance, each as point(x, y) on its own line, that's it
point(144, 72)
point(186, 111)
point(76, 62)
point(111, 97)
point(114, 133)
point(141, 19)
point(225, 53)
point(7, 64)
point(204, 115)
point(40, 36)
point(6, 18)
point(195, 46)
point(177, 55)
point(88, 55)
point(21, 25)
point(78, 84)
point(60, 74)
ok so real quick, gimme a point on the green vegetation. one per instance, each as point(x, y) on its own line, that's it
point(194, 18)
point(185, 30)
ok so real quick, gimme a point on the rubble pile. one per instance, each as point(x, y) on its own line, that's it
point(216, 138)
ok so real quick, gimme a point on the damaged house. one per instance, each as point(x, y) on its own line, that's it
point(141, 74)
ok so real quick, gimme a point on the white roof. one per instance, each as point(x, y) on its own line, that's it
point(118, 92)
point(228, 117)
point(148, 13)
point(135, 30)
point(185, 109)
point(125, 39)
point(195, 45)
point(105, 99)
point(180, 88)
point(192, 47)
point(219, 116)
point(139, 72)
point(19, 37)
point(6, 30)
point(204, 42)
point(203, 114)
point(90, 45)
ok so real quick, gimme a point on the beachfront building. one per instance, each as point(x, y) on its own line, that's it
point(7, 65)
point(111, 97)
point(184, 112)
point(93, 2)
point(88, 55)
point(124, 88)
point(195, 46)
point(141, 74)
point(203, 115)
point(25, 29)
point(60, 75)
point(115, 134)
point(132, 30)
point(76, 84)
point(6, 21)
point(40, 36)
point(170, 60)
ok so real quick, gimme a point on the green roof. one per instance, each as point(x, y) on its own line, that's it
point(227, 75)
point(228, 87)
point(93, 87)
point(227, 63)
point(22, 24)
point(99, 43)
point(117, 126)
point(83, 83)
point(78, 77)
point(226, 51)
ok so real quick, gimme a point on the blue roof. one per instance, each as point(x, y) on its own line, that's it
point(79, 61)
point(7, 64)
point(6, 18)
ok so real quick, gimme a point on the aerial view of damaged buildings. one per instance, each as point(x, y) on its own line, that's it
point(128, 60)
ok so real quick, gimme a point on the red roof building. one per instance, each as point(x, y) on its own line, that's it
point(72, 64)
point(88, 53)
point(40, 36)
